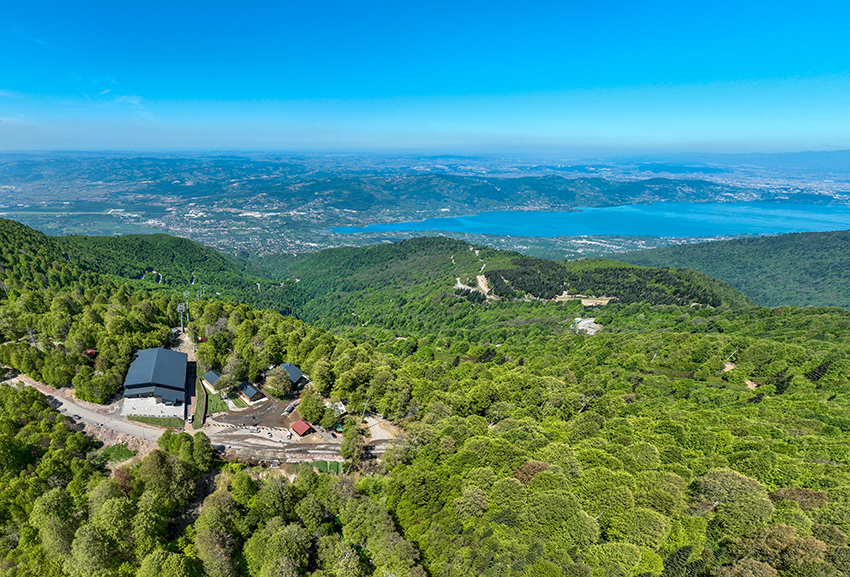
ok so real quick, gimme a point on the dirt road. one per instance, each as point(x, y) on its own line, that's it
point(229, 432)
point(98, 417)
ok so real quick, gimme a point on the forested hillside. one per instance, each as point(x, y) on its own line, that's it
point(547, 279)
point(704, 440)
point(805, 269)
point(418, 284)
point(181, 264)
point(52, 312)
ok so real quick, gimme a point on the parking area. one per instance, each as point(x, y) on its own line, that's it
point(266, 414)
point(148, 407)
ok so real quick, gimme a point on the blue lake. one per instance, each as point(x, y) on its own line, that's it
point(672, 219)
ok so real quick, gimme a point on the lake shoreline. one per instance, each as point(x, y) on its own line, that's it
point(663, 219)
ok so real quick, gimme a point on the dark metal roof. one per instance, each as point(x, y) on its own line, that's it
point(294, 372)
point(141, 391)
point(211, 377)
point(164, 394)
point(248, 390)
point(158, 367)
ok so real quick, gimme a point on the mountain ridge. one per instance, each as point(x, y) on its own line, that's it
point(678, 440)
point(800, 269)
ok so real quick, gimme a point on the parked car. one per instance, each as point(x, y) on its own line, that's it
point(191, 419)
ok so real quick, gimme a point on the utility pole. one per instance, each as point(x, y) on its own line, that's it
point(366, 404)
point(180, 308)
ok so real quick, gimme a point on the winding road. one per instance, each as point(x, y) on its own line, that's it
point(94, 415)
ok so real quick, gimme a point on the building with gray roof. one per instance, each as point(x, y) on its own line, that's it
point(296, 377)
point(209, 380)
point(249, 393)
point(157, 373)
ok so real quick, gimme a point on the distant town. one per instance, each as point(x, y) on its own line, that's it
point(264, 204)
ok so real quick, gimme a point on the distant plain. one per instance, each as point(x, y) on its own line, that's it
point(257, 204)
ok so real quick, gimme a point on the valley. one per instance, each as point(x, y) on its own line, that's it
point(266, 204)
point(372, 289)
point(523, 415)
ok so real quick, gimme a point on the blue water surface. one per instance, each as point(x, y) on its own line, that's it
point(669, 219)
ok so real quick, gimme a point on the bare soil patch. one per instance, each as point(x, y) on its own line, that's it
point(268, 414)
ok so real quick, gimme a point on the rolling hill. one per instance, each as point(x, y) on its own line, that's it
point(458, 285)
point(804, 269)
point(160, 261)
point(703, 440)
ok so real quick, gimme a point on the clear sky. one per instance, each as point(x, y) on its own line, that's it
point(571, 76)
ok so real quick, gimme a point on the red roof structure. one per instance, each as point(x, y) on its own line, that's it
point(302, 427)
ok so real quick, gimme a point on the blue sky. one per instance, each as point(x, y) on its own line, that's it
point(563, 77)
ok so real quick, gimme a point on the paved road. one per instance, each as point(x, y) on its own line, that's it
point(267, 439)
point(95, 418)
point(69, 408)
point(273, 443)
point(238, 439)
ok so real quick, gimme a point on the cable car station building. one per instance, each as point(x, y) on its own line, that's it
point(157, 373)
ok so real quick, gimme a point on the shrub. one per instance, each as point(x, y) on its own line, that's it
point(639, 526)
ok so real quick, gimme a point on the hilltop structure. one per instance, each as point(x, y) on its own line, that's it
point(157, 373)
point(248, 393)
point(209, 380)
point(296, 377)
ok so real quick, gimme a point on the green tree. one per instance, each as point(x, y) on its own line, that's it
point(322, 376)
point(149, 526)
point(227, 382)
point(115, 521)
point(312, 407)
point(162, 563)
point(52, 514)
point(91, 554)
point(202, 452)
point(472, 503)
point(278, 381)
point(243, 488)
point(642, 527)
point(278, 548)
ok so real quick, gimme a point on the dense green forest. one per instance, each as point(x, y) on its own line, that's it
point(412, 285)
point(52, 312)
point(695, 435)
point(159, 260)
point(804, 269)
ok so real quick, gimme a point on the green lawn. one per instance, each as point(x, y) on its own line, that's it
point(116, 453)
point(172, 422)
point(216, 404)
point(329, 466)
point(200, 409)
point(238, 402)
